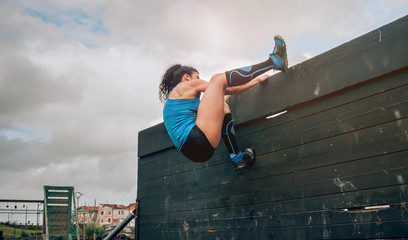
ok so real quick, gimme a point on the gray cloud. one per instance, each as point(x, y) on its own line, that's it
point(26, 86)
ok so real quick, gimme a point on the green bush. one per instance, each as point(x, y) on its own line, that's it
point(24, 234)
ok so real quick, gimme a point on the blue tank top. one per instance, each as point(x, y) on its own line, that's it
point(179, 118)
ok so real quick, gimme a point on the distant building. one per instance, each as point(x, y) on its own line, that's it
point(132, 207)
point(87, 214)
point(111, 214)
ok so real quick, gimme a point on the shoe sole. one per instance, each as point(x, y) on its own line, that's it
point(285, 67)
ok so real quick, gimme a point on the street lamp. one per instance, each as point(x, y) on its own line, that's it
point(78, 195)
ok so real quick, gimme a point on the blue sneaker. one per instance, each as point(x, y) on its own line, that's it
point(279, 55)
point(243, 159)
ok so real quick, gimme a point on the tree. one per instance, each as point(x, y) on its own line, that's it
point(93, 228)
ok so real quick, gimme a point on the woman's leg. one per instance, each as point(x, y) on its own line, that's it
point(210, 115)
point(228, 132)
point(277, 60)
point(211, 118)
point(238, 158)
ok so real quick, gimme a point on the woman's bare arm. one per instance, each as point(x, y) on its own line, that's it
point(242, 88)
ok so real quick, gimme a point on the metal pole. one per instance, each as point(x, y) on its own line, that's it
point(76, 204)
point(26, 217)
point(93, 220)
point(121, 226)
point(36, 235)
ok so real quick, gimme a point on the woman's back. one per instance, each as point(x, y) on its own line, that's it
point(187, 90)
point(179, 117)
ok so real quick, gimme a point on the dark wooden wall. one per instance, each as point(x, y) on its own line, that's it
point(334, 166)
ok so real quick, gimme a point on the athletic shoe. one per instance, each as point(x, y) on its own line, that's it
point(244, 159)
point(279, 55)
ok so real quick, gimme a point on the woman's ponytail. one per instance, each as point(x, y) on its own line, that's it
point(171, 78)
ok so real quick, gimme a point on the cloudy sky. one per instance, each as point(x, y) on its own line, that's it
point(79, 79)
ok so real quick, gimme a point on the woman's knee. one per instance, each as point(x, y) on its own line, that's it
point(219, 78)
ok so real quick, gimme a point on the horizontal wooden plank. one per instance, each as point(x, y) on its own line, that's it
point(197, 222)
point(352, 63)
point(58, 201)
point(60, 194)
point(57, 210)
point(52, 189)
point(372, 230)
point(280, 213)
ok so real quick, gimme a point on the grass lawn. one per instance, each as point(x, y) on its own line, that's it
point(9, 231)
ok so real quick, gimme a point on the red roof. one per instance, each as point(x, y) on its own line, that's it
point(115, 206)
point(132, 206)
point(90, 208)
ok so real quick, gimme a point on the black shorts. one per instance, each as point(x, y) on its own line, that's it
point(197, 148)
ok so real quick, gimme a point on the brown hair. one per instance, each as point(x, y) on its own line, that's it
point(171, 78)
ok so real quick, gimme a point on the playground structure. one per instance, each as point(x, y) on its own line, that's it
point(331, 139)
point(61, 222)
point(58, 210)
point(60, 216)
